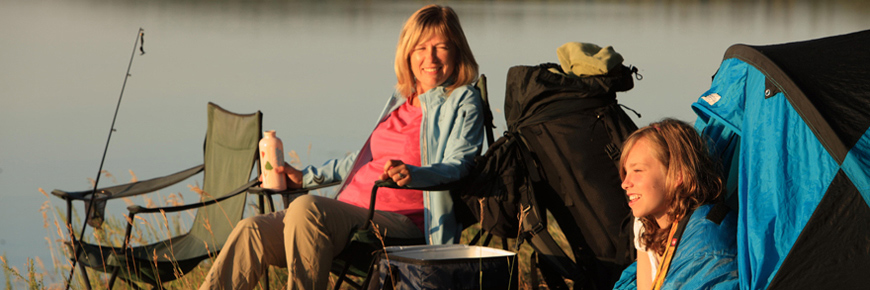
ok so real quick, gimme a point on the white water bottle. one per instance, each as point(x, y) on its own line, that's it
point(272, 156)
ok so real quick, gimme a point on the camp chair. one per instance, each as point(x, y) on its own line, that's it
point(230, 151)
point(357, 259)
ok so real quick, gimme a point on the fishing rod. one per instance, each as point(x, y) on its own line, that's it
point(140, 41)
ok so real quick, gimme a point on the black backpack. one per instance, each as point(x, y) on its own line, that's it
point(560, 154)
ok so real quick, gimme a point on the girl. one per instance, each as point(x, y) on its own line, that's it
point(683, 241)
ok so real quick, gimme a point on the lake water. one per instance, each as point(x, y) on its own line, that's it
point(319, 71)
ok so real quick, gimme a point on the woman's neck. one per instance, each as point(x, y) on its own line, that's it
point(414, 100)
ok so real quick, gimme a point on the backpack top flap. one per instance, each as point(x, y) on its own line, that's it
point(530, 89)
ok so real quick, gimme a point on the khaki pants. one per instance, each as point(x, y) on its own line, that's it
point(306, 237)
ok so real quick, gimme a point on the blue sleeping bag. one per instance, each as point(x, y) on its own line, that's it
point(706, 258)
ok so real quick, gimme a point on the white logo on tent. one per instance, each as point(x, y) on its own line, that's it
point(711, 99)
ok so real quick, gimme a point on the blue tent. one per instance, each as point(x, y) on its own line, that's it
point(791, 124)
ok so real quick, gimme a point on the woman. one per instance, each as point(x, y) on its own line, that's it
point(668, 176)
point(429, 134)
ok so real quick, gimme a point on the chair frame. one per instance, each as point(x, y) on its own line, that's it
point(139, 188)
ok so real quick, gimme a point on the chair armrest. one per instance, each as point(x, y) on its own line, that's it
point(134, 209)
point(269, 192)
point(389, 183)
point(266, 194)
point(131, 189)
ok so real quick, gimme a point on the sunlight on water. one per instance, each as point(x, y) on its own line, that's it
point(319, 71)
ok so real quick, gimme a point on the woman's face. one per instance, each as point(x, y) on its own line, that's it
point(644, 182)
point(432, 62)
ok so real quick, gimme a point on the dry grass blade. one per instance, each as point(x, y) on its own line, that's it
point(12, 270)
point(109, 175)
point(205, 195)
point(195, 188)
point(154, 258)
point(480, 203)
point(143, 221)
point(294, 159)
point(59, 230)
point(102, 258)
point(380, 237)
point(521, 217)
point(44, 210)
point(39, 262)
point(210, 255)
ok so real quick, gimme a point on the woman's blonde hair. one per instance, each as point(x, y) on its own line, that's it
point(692, 178)
point(428, 21)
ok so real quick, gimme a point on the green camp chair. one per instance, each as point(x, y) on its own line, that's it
point(230, 151)
point(357, 259)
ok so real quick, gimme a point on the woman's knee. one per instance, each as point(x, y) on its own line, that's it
point(305, 207)
point(258, 223)
point(247, 223)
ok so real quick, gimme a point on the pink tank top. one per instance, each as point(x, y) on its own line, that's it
point(396, 138)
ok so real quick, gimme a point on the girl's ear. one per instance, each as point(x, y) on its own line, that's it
point(678, 179)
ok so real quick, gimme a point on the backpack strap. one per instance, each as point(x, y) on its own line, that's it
point(533, 219)
point(718, 212)
point(675, 236)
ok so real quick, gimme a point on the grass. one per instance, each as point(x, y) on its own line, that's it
point(155, 227)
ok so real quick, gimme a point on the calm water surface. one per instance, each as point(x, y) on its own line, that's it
point(319, 72)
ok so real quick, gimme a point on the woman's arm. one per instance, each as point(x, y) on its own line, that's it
point(331, 171)
point(462, 140)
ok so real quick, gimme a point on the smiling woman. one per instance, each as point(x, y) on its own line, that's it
point(434, 103)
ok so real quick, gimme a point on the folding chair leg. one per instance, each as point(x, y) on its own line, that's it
point(134, 286)
point(533, 268)
point(551, 277)
point(476, 238)
point(353, 284)
point(373, 270)
point(266, 279)
point(487, 239)
point(114, 276)
point(84, 274)
point(342, 276)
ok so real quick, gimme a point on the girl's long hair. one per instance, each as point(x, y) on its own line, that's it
point(693, 177)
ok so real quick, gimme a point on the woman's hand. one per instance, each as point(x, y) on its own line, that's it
point(397, 171)
point(294, 177)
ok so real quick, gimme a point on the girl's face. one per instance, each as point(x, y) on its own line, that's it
point(644, 182)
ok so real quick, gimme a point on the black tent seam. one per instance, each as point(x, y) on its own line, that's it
point(798, 100)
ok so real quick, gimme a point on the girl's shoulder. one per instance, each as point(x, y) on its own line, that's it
point(709, 233)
